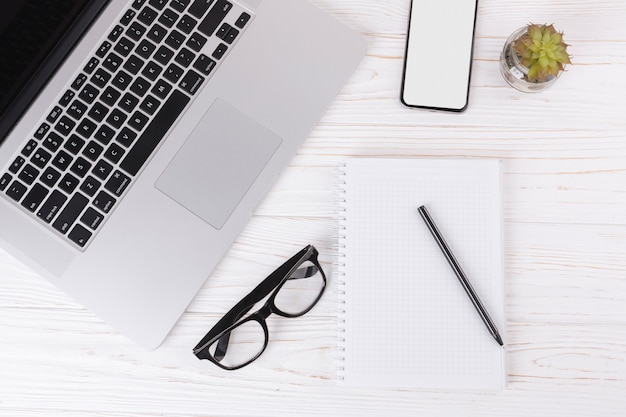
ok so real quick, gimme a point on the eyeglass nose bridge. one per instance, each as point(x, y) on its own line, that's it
point(265, 311)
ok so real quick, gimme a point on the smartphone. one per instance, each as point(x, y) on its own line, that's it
point(438, 57)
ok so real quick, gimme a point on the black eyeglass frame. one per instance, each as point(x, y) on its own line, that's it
point(220, 333)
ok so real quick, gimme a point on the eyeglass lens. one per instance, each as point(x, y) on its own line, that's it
point(301, 290)
point(246, 341)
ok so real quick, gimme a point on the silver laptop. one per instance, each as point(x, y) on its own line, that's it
point(138, 137)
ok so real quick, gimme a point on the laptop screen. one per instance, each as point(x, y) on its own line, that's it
point(31, 31)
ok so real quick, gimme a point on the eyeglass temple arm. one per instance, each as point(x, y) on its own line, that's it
point(242, 307)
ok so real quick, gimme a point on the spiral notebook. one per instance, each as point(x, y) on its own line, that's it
point(405, 320)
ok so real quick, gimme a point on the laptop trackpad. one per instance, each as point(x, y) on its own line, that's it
point(218, 163)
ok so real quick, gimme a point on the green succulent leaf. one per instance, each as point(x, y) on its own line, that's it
point(542, 50)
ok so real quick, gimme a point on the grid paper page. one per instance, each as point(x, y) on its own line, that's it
point(408, 321)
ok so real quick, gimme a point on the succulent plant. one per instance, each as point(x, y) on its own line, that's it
point(542, 50)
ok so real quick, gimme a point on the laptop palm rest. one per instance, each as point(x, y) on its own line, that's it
point(202, 176)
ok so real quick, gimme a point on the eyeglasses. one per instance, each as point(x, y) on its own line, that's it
point(295, 287)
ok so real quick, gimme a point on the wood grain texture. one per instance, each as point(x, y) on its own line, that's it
point(564, 172)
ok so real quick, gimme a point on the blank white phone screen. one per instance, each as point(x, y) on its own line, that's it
point(439, 53)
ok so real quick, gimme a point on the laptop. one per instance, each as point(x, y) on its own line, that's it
point(138, 137)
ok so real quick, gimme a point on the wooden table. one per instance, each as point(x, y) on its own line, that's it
point(564, 170)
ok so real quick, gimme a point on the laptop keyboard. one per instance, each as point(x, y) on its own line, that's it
point(85, 153)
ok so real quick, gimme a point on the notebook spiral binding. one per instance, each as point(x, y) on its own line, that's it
point(339, 265)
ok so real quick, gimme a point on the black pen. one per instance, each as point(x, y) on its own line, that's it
point(478, 305)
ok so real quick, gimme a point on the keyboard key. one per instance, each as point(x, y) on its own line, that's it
point(124, 46)
point(102, 169)
point(204, 64)
point(126, 137)
point(173, 73)
point(92, 151)
point(74, 144)
point(50, 177)
point(54, 114)
point(116, 118)
point(154, 133)
point(138, 3)
point(140, 86)
point(67, 97)
point(147, 16)
point(92, 218)
point(149, 105)
point(17, 190)
point(112, 62)
point(152, 70)
point(196, 41)
point(17, 165)
point(52, 142)
point(186, 24)
point(122, 80)
point(4, 181)
point(98, 112)
point(100, 78)
point(79, 81)
point(145, 49)
point(179, 5)
point(158, 4)
point(185, 57)
point(29, 148)
point(29, 174)
point(91, 65)
point(77, 110)
point(199, 8)
point(133, 64)
point(220, 51)
point(90, 186)
point(35, 197)
point(105, 134)
point(136, 31)
point(157, 33)
point(115, 33)
point(104, 48)
point(243, 19)
point(168, 18)
point(163, 55)
point(62, 160)
point(81, 167)
point(89, 93)
point(215, 17)
point(117, 183)
point(128, 17)
point(175, 39)
point(114, 153)
point(110, 96)
point(104, 202)
point(191, 82)
point(70, 213)
point(65, 126)
point(138, 121)
point(128, 102)
point(52, 206)
point(41, 132)
point(222, 31)
point(79, 235)
point(86, 128)
point(68, 183)
point(161, 89)
point(40, 158)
